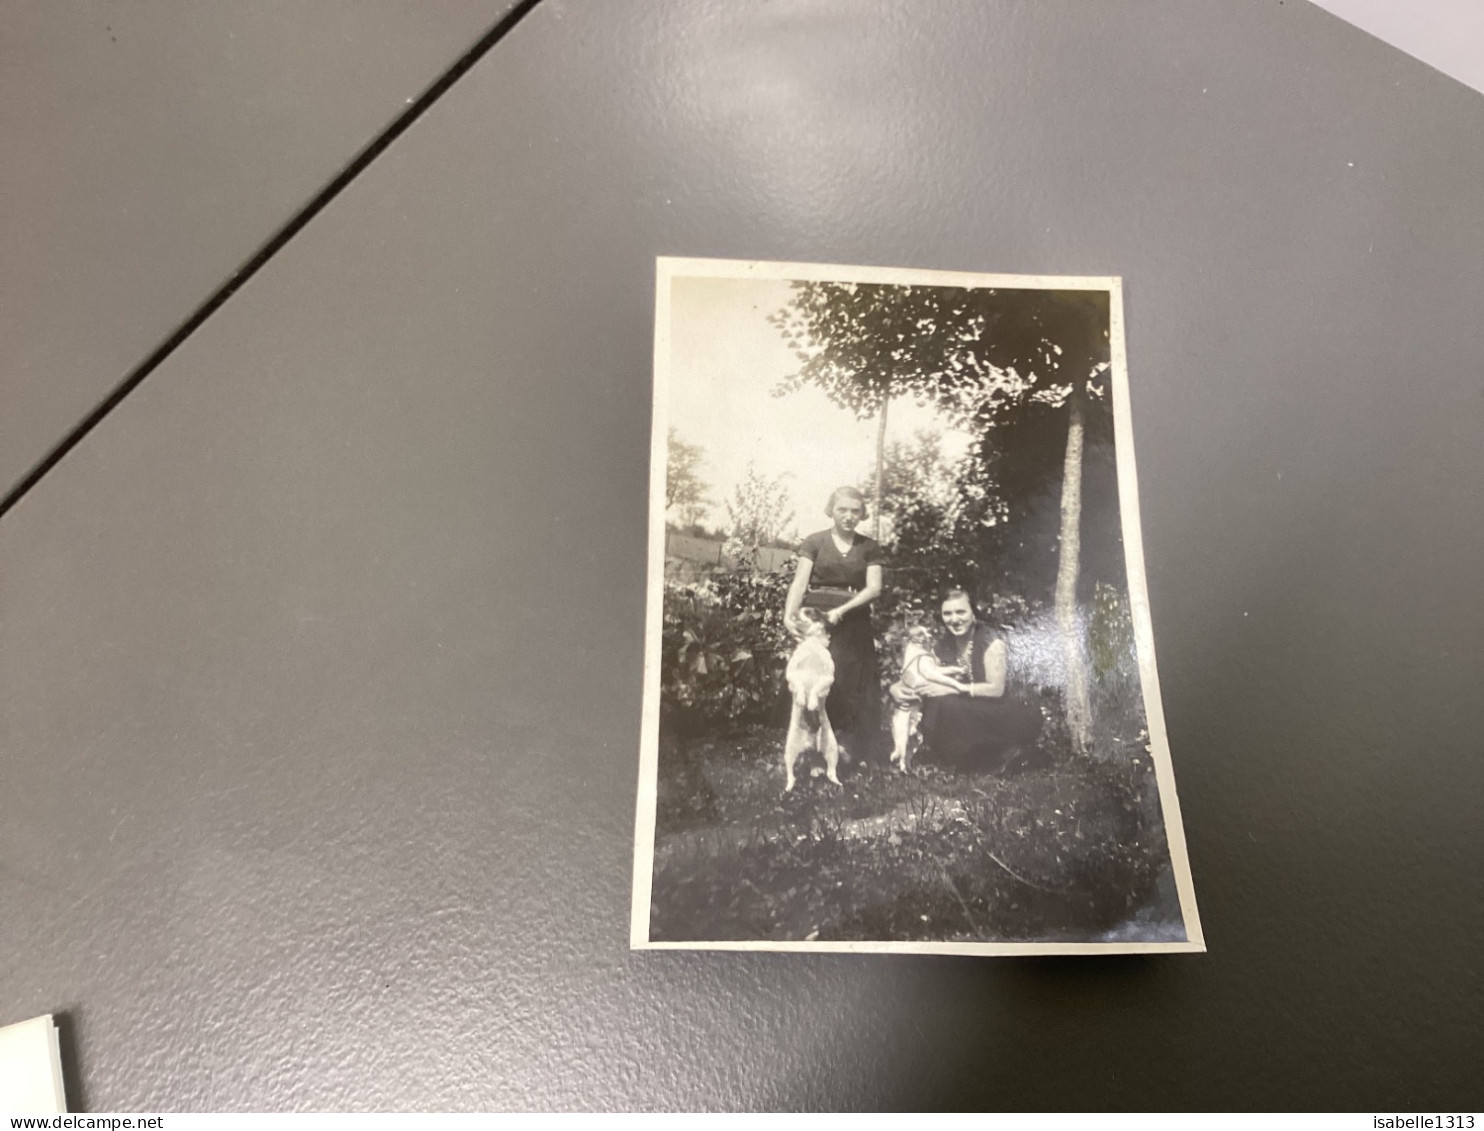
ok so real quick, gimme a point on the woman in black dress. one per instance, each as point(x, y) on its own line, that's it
point(839, 572)
point(982, 730)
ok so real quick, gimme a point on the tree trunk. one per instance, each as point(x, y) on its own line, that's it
point(881, 465)
point(1079, 711)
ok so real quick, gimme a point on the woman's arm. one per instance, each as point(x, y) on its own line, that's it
point(864, 597)
point(795, 600)
point(943, 684)
point(933, 677)
point(995, 667)
point(935, 690)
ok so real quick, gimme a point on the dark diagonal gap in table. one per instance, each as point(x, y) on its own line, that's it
point(295, 224)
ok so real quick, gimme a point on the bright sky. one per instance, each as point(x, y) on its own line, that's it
point(725, 361)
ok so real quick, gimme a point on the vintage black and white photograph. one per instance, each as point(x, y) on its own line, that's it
point(900, 684)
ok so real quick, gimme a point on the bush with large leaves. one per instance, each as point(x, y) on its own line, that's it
point(725, 647)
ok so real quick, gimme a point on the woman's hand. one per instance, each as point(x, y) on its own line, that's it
point(834, 617)
point(939, 690)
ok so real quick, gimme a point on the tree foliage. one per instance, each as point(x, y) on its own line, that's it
point(1003, 365)
point(921, 492)
point(972, 352)
point(685, 492)
point(757, 513)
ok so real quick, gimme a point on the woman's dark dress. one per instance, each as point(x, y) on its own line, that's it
point(976, 735)
point(854, 704)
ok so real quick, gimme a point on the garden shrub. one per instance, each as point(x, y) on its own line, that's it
point(724, 647)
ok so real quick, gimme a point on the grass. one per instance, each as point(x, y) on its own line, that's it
point(1073, 850)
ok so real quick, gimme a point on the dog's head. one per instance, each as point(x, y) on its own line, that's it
point(921, 635)
point(811, 622)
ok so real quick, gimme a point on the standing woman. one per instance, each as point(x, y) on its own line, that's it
point(839, 571)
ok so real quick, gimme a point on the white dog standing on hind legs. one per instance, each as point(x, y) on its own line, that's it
point(811, 674)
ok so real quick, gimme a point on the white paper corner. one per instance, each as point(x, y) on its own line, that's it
point(31, 1068)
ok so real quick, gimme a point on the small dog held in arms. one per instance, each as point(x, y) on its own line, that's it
point(811, 674)
point(920, 670)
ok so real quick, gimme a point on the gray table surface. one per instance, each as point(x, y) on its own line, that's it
point(152, 147)
point(321, 653)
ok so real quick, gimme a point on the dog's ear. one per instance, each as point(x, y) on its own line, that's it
point(812, 622)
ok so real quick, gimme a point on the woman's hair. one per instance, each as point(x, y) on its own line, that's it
point(954, 595)
point(849, 493)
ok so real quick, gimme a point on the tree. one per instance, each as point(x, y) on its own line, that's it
point(860, 379)
point(1000, 362)
point(684, 491)
point(915, 471)
point(920, 489)
point(757, 514)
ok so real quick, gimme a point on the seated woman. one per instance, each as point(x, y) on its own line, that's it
point(979, 729)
